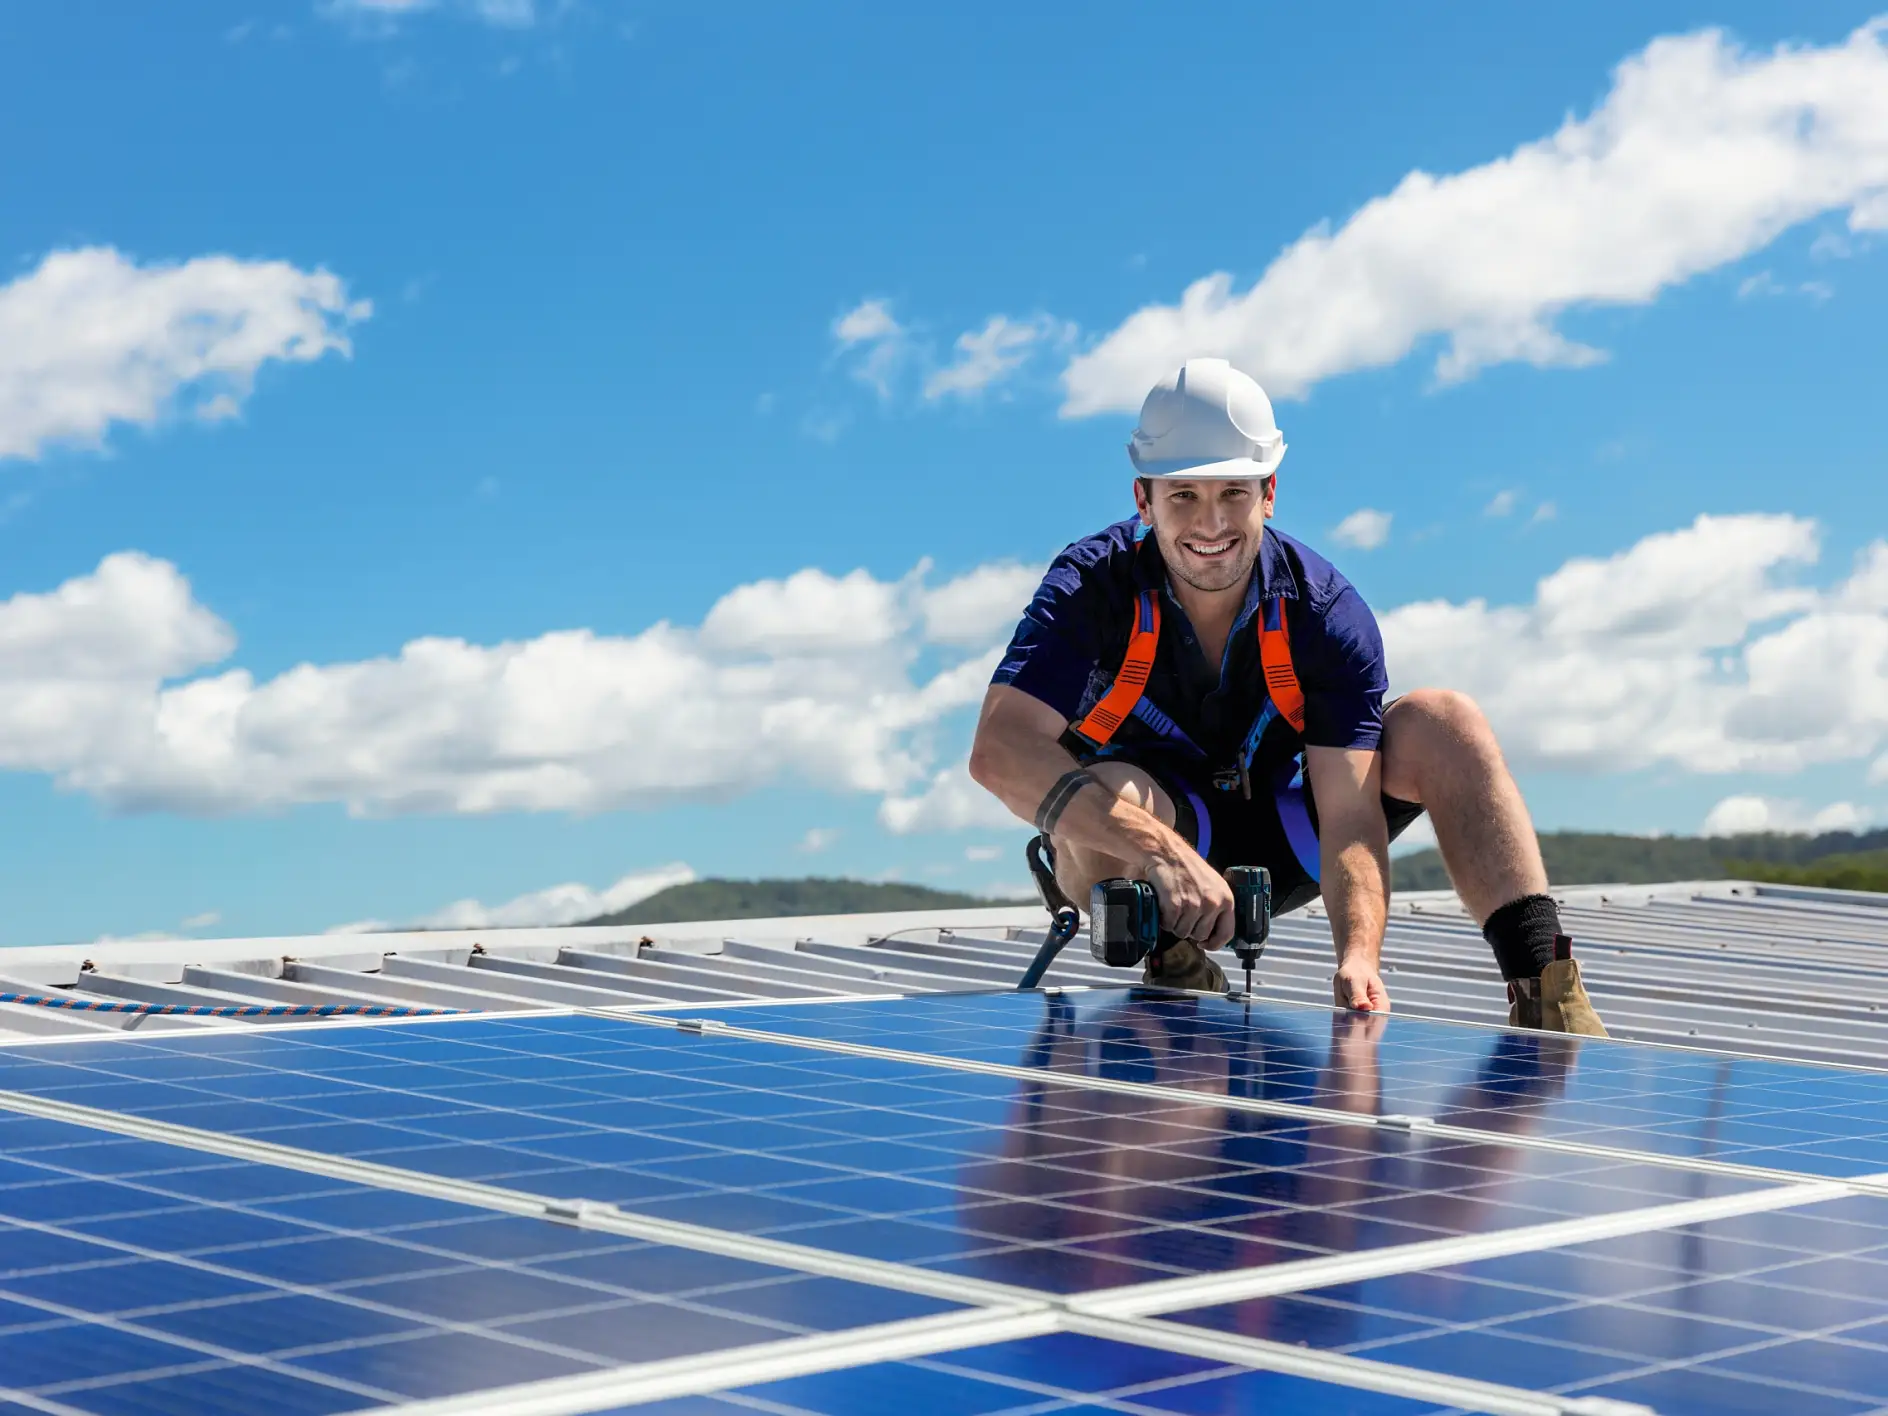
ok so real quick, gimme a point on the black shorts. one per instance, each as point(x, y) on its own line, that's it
point(1275, 828)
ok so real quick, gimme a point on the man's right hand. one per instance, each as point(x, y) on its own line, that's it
point(1195, 900)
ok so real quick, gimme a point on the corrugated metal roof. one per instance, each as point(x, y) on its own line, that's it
point(1727, 965)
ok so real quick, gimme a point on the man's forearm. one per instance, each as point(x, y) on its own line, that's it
point(1356, 885)
point(1028, 770)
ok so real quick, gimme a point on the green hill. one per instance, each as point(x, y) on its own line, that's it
point(766, 899)
point(1848, 870)
point(1584, 858)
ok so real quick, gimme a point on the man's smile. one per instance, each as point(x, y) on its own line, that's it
point(1210, 550)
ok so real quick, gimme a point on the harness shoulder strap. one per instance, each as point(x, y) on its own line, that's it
point(1131, 682)
point(1281, 679)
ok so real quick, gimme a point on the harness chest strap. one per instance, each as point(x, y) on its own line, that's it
point(1117, 705)
point(1131, 682)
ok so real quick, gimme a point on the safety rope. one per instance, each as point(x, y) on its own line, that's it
point(236, 1010)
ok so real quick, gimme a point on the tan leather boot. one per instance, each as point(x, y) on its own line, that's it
point(1564, 1004)
point(1184, 964)
point(1556, 1001)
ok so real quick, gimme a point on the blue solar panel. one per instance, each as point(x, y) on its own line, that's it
point(1055, 1188)
point(182, 1271)
point(141, 1276)
point(1764, 1312)
point(1817, 1120)
point(1058, 1375)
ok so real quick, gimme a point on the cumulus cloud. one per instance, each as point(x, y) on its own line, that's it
point(987, 356)
point(950, 801)
point(89, 339)
point(818, 839)
point(1746, 815)
point(108, 684)
point(1501, 504)
point(980, 606)
point(1701, 154)
point(1692, 648)
point(1365, 528)
point(570, 903)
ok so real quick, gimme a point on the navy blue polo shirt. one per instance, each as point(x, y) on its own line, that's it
point(1072, 638)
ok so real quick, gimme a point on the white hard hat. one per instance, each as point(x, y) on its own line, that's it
point(1207, 420)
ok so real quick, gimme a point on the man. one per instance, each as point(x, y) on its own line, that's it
point(1191, 690)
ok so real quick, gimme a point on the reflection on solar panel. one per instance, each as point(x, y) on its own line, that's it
point(1106, 1200)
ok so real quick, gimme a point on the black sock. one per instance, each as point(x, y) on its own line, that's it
point(1523, 933)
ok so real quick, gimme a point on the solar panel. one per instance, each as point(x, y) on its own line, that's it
point(1115, 1200)
point(129, 1270)
point(1668, 1101)
point(1763, 1312)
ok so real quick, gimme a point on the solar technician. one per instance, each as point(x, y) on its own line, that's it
point(1191, 690)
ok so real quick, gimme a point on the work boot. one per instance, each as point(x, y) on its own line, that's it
point(1184, 964)
point(1557, 1000)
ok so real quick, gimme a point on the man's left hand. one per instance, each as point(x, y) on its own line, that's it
point(1358, 985)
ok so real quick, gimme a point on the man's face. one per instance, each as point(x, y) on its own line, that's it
point(1209, 531)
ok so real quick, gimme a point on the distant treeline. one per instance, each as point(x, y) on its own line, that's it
point(770, 899)
point(1843, 859)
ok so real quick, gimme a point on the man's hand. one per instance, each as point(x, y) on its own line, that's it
point(1356, 984)
point(1195, 900)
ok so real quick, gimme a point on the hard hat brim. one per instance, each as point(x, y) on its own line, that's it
point(1233, 469)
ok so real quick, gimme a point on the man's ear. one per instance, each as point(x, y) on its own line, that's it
point(1271, 495)
point(1144, 500)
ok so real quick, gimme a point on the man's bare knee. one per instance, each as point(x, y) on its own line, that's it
point(1430, 731)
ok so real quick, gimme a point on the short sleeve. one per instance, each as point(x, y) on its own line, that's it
point(1343, 675)
point(1057, 646)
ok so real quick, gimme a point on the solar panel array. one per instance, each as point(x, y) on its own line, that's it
point(950, 1205)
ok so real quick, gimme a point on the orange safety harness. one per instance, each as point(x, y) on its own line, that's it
point(1119, 703)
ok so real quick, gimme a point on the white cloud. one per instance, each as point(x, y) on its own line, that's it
point(810, 612)
point(981, 606)
point(504, 14)
point(987, 356)
point(1501, 504)
point(89, 338)
point(1545, 512)
point(950, 801)
point(878, 346)
point(1690, 648)
point(570, 903)
point(1700, 155)
point(868, 320)
point(108, 684)
point(1364, 528)
point(982, 853)
point(1764, 283)
point(1744, 815)
point(204, 920)
point(818, 839)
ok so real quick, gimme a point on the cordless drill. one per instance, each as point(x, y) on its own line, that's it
point(1124, 919)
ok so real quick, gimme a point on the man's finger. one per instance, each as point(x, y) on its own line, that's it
point(1186, 918)
point(1221, 928)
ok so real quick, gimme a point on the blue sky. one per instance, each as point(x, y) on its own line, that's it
point(368, 324)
